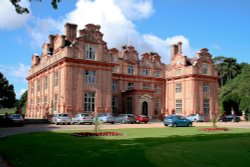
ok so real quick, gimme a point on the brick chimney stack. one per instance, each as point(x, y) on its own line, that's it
point(70, 31)
point(174, 50)
point(179, 47)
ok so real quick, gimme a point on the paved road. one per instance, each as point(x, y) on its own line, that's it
point(51, 127)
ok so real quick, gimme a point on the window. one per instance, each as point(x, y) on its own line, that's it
point(89, 102)
point(206, 107)
point(204, 68)
point(115, 69)
point(55, 103)
point(90, 77)
point(90, 52)
point(45, 100)
point(115, 104)
point(130, 69)
point(157, 107)
point(130, 86)
point(157, 89)
point(38, 85)
point(157, 73)
point(38, 100)
point(32, 88)
point(56, 78)
point(114, 85)
point(145, 72)
point(178, 88)
point(178, 106)
point(146, 86)
point(46, 83)
point(206, 87)
point(178, 72)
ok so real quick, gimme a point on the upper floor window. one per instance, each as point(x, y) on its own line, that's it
point(178, 72)
point(114, 85)
point(90, 52)
point(130, 86)
point(115, 69)
point(146, 86)
point(145, 72)
point(204, 68)
point(130, 69)
point(90, 77)
point(56, 78)
point(32, 88)
point(46, 83)
point(38, 85)
point(178, 88)
point(206, 87)
point(157, 73)
point(157, 89)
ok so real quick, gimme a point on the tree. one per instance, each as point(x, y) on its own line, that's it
point(21, 107)
point(7, 94)
point(20, 9)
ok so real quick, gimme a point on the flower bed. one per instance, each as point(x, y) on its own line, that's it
point(213, 129)
point(86, 134)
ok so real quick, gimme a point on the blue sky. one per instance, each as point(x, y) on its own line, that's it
point(222, 26)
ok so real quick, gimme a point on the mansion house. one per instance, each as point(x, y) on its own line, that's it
point(77, 73)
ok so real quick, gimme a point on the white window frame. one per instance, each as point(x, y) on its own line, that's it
point(206, 87)
point(205, 68)
point(90, 76)
point(130, 86)
point(89, 102)
point(130, 69)
point(146, 86)
point(206, 106)
point(145, 72)
point(90, 52)
point(157, 73)
point(56, 75)
point(178, 88)
point(178, 106)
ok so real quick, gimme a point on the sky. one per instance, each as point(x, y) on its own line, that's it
point(222, 26)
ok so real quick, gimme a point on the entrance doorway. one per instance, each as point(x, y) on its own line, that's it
point(145, 108)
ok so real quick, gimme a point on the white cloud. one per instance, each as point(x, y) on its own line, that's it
point(9, 19)
point(15, 74)
point(116, 18)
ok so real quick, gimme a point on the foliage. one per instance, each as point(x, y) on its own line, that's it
point(21, 105)
point(235, 94)
point(97, 123)
point(7, 94)
point(139, 147)
point(214, 120)
point(20, 9)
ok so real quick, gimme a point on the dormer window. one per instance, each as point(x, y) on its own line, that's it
point(130, 69)
point(145, 72)
point(204, 68)
point(90, 52)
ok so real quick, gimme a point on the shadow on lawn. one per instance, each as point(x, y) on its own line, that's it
point(62, 149)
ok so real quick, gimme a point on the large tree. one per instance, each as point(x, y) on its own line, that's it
point(21, 107)
point(7, 94)
point(20, 9)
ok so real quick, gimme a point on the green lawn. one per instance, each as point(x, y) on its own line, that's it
point(138, 147)
point(7, 110)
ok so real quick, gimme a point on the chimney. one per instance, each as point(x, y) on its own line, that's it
point(179, 47)
point(174, 50)
point(70, 31)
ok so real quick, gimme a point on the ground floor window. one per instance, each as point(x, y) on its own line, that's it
point(178, 106)
point(115, 104)
point(55, 103)
point(89, 101)
point(206, 107)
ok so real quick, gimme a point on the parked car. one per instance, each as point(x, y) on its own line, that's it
point(82, 118)
point(176, 120)
point(51, 118)
point(125, 118)
point(14, 120)
point(106, 118)
point(142, 118)
point(230, 118)
point(61, 119)
point(195, 117)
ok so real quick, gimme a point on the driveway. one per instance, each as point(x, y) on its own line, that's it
point(51, 127)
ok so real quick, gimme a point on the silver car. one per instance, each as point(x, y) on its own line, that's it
point(125, 118)
point(195, 117)
point(106, 118)
point(82, 118)
point(61, 119)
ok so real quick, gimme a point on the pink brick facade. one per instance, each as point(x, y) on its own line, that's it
point(77, 74)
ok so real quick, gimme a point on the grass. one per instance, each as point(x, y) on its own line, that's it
point(7, 110)
point(138, 147)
